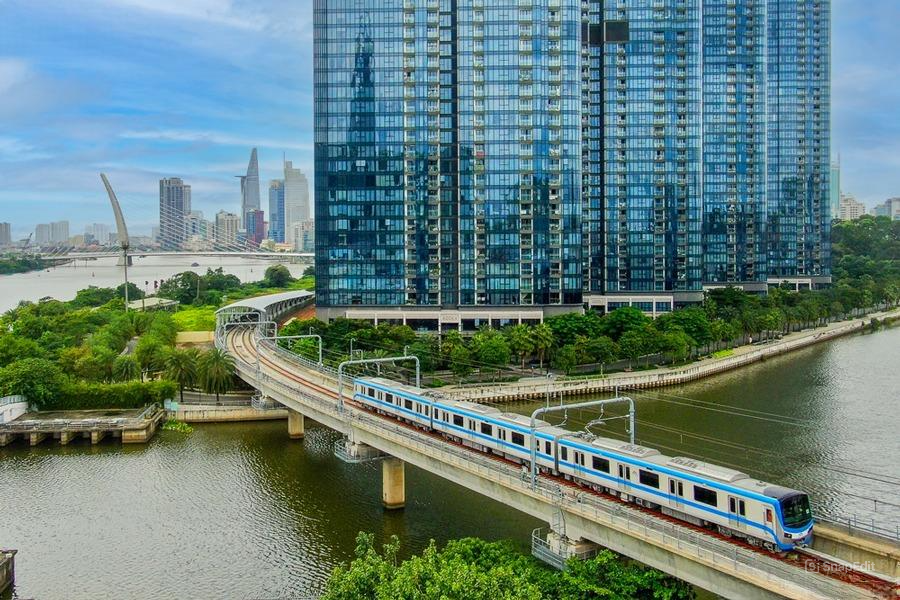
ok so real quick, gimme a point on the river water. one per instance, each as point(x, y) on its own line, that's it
point(239, 511)
point(64, 281)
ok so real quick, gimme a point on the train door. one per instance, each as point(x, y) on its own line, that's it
point(676, 494)
point(736, 509)
point(624, 477)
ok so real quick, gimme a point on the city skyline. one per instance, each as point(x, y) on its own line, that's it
point(203, 132)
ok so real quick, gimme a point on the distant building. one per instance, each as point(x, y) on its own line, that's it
point(276, 210)
point(174, 206)
point(98, 232)
point(250, 187)
point(59, 232)
point(255, 225)
point(195, 226)
point(296, 196)
point(42, 234)
point(888, 208)
point(5, 234)
point(835, 189)
point(851, 208)
point(227, 227)
point(303, 236)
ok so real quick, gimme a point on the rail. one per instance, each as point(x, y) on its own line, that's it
point(854, 523)
point(654, 530)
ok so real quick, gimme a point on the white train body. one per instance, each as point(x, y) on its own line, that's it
point(688, 489)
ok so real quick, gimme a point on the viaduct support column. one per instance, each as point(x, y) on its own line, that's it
point(296, 425)
point(393, 483)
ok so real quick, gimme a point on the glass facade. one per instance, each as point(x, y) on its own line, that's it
point(276, 210)
point(734, 149)
point(448, 152)
point(652, 123)
point(534, 152)
point(799, 98)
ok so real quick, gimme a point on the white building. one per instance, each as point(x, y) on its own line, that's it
point(227, 227)
point(5, 234)
point(851, 208)
point(59, 232)
point(42, 234)
point(296, 197)
point(99, 232)
point(302, 235)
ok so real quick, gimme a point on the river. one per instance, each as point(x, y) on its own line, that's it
point(239, 511)
point(64, 281)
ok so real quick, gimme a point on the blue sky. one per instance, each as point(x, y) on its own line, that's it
point(143, 89)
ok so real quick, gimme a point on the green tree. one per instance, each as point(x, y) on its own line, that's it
point(490, 348)
point(215, 372)
point(600, 349)
point(622, 320)
point(126, 368)
point(150, 354)
point(93, 296)
point(13, 348)
point(565, 359)
point(38, 379)
point(134, 292)
point(183, 287)
point(277, 276)
point(543, 340)
point(676, 343)
point(181, 367)
point(521, 341)
point(693, 321)
point(460, 361)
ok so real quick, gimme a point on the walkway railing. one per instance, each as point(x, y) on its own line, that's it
point(781, 577)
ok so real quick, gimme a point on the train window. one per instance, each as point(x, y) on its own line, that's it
point(547, 447)
point(564, 453)
point(389, 398)
point(486, 429)
point(518, 439)
point(472, 425)
point(427, 410)
point(458, 420)
point(742, 508)
point(501, 434)
point(732, 505)
point(768, 515)
point(408, 404)
point(625, 472)
point(600, 464)
point(648, 478)
point(372, 392)
point(680, 489)
point(706, 496)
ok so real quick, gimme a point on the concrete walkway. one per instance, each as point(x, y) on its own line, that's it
point(537, 387)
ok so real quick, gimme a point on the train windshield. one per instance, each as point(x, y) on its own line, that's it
point(796, 510)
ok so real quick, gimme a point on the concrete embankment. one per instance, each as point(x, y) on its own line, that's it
point(539, 387)
point(201, 413)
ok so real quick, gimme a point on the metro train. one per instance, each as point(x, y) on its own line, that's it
point(704, 494)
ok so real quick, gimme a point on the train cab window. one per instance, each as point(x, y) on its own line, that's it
point(564, 453)
point(518, 439)
point(486, 429)
point(458, 420)
point(705, 495)
point(408, 404)
point(600, 464)
point(649, 479)
point(768, 515)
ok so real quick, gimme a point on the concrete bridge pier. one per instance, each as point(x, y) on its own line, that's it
point(393, 483)
point(96, 436)
point(36, 437)
point(66, 436)
point(296, 425)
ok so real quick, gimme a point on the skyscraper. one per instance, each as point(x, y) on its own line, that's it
point(517, 159)
point(227, 227)
point(174, 206)
point(276, 210)
point(250, 187)
point(42, 234)
point(255, 226)
point(5, 234)
point(296, 196)
point(799, 136)
point(59, 232)
point(835, 188)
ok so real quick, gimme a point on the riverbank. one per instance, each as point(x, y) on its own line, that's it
point(540, 387)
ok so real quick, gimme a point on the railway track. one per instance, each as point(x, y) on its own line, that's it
point(803, 559)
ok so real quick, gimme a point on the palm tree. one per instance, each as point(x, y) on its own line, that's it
point(216, 371)
point(543, 340)
point(181, 367)
point(520, 341)
point(126, 368)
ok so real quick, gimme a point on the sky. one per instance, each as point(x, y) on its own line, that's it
point(145, 89)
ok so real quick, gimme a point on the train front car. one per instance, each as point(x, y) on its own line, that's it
point(795, 519)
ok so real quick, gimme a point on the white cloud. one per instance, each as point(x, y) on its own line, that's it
point(213, 137)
